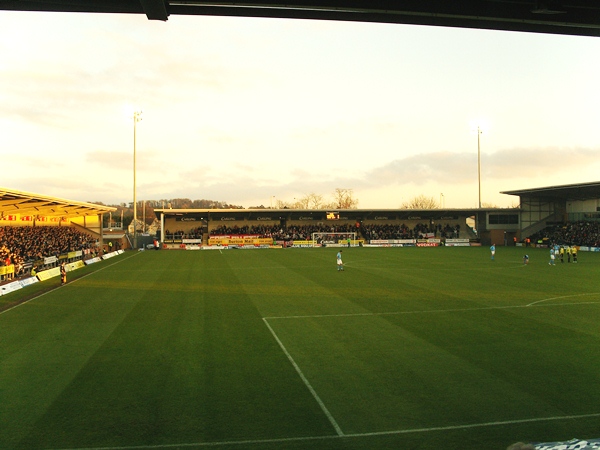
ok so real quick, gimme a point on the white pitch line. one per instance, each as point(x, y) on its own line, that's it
point(345, 436)
point(27, 301)
point(333, 422)
point(563, 296)
point(211, 444)
point(340, 433)
point(474, 425)
point(432, 311)
point(58, 287)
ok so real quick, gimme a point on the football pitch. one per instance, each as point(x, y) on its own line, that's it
point(407, 348)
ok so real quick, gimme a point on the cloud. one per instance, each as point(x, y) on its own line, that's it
point(111, 159)
point(123, 161)
point(117, 66)
point(458, 168)
point(523, 162)
point(442, 167)
point(240, 185)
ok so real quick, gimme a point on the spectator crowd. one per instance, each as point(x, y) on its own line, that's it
point(194, 233)
point(21, 245)
point(368, 232)
point(419, 231)
point(571, 233)
point(279, 233)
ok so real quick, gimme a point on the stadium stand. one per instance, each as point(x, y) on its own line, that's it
point(578, 233)
point(28, 247)
point(41, 231)
point(277, 232)
point(418, 231)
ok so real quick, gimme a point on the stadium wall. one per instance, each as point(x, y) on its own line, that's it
point(92, 223)
point(583, 206)
point(588, 210)
point(240, 223)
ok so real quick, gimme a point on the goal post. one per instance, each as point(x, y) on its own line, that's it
point(321, 239)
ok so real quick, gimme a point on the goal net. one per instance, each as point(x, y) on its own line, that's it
point(334, 239)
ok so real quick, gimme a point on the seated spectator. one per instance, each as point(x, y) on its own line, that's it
point(571, 233)
point(19, 245)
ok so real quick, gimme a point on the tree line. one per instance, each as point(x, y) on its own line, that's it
point(145, 208)
point(341, 199)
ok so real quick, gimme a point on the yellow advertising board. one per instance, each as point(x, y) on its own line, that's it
point(239, 241)
point(75, 265)
point(55, 271)
point(47, 274)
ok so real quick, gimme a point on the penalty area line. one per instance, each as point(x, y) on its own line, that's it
point(475, 425)
point(563, 296)
point(438, 311)
point(212, 444)
point(346, 436)
point(328, 414)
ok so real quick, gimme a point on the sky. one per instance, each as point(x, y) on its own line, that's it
point(253, 111)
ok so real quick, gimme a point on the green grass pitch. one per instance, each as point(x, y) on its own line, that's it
point(408, 348)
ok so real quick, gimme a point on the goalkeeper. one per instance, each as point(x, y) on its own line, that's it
point(340, 264)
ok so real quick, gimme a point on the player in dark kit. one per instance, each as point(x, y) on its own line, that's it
point(63, 274)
